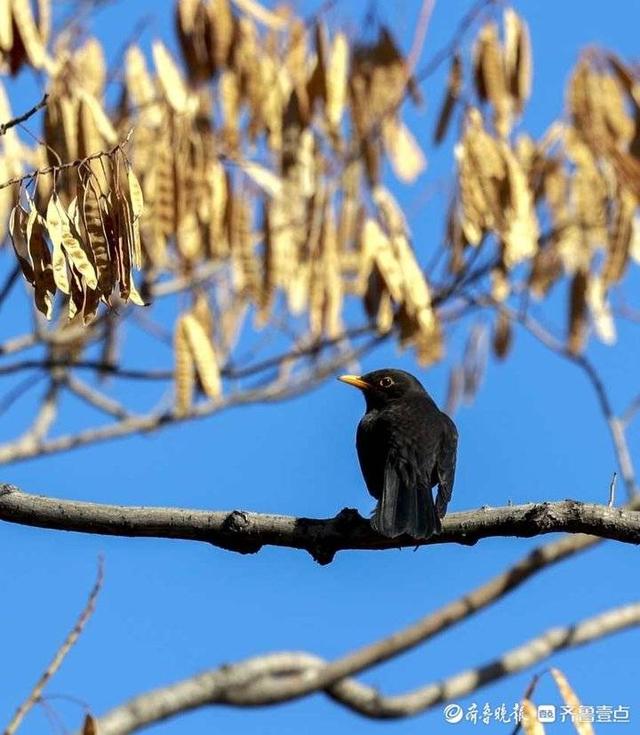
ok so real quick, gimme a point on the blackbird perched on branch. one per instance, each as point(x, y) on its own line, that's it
point(406, 446)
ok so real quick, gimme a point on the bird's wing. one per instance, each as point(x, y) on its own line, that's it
point(371, 449)
point(446, 464)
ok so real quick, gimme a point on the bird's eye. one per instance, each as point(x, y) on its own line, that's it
point(386, 382)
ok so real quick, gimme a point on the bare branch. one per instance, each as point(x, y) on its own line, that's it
point(70, 640)
point(96, 398)
point(43, 420)
point(630, 412)
point(264, 680)
point(9, 283)
point(186, 281)
point(18, 344)
point(229, 371)
point(100, 366)
point(447, 51)
point(23, 118)
point(420, 33)
point(247, 532)
point(277, 390)
point(612, 490)
point(616, 425)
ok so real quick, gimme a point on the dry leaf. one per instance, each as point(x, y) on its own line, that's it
point(170, 78)
point(25, 25)
point(577, 313)
point(571, 700)
point(336, 80)
point(454, 85)
point(502, 335)
point(265, 179)
point(530, 722)
point(204, 356)
point(184, 369)
point(405, 155)
point(90, 725)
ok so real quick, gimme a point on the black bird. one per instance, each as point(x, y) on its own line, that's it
point(406, 446)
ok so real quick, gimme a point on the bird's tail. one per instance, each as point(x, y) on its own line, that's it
point(402, 510)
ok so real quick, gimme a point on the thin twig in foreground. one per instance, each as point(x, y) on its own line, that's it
point(70, 640)
point(9, 283)
point(612, 490)
point(69, 164)
point(23, 118)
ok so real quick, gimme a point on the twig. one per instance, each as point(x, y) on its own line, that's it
point(156, 374)
point(97, 365)
point(449, 48)
point(191, 280)
point(612, 490)
point(275, 391)
point(23, 118)
point(10, 281)
point(9, 398)
point(420, 33)
point(70, 640)
point(616, 425)
point(314, 348)
point(44, 418)
point(55, 720)
point(118, 63)
point(18, 344)
point(95, 398)
point(630, 412)
point(70, 164)
point(528, 692)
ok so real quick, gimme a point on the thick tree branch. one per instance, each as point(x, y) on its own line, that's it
point(247, 532)
point(264, 680)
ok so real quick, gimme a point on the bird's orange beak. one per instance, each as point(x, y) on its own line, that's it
point(355, 380)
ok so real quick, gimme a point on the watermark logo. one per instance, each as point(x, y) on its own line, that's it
point(453, 713)
point(546, 713)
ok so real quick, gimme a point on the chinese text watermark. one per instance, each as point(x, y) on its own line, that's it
point(488, 714)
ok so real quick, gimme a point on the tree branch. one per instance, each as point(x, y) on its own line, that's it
point(228, 371)
point(23, 118)
point(9, 282)
point(615, 424)
point(95, 398)
point(248, 532)
point(277, 390)
point(264, 680)
point(69, 164)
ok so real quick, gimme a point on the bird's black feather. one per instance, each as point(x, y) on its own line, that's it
point(406, 446)
point(446, 465)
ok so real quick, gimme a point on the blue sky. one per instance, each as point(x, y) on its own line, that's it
point(171, 609)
